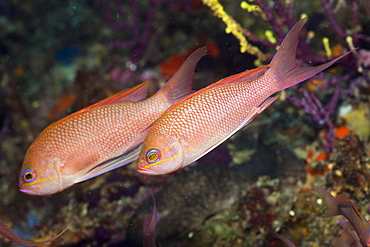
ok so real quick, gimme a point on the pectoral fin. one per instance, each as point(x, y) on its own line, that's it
point(111, 164)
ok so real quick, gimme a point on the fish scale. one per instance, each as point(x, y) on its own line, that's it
point(101, 137)
point(65, 140)
point(200, 122)
point(191, 119)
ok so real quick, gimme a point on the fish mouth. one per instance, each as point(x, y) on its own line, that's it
point(26, 189)
point(30, 192)
point(147, 172)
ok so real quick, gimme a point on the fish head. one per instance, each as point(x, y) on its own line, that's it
point(160, 156)
point(40, 175)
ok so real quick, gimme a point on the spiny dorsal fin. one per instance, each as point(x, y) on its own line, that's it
point(245, 76)
point(179, 86)
point(134, 94)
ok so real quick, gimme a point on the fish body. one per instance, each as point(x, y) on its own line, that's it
point(8, 233)
point(197, 124)
point(284, 239)
point(101, 137)
point(341, 205)
point(150, 224)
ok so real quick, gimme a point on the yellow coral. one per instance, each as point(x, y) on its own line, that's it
point(270, 36)
point(234, 28)
point(253, 8)
point(326, 44)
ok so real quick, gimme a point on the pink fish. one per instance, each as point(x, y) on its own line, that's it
point(285, 240)
point(9, 234)
point(359, 232)
point(197, 124)
point(150, 224)
point(101, 137)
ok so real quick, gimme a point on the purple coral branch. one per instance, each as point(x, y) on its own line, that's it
point(255, 38)
point(313, 106)
point(282, 13)
point(124, 25)
point(330, 15)
point(121, 14)
point(355, 21)
point(291, 9)
point(139, 39)
point(356, 16)
point(269, 12)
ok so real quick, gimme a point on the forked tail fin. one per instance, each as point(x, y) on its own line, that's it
point(283, 67)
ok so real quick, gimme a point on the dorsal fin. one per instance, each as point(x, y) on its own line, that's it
point(245, 76)
point(133, 94)
point(179, 86)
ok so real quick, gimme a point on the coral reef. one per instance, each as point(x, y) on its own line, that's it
point(58, 57)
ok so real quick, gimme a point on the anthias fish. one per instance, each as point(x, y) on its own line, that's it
point(197, 124)
point(359, 229)
point(9, 234)
point(150, 224)
point(101, 137)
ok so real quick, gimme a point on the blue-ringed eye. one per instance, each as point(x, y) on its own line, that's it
point(29, 176)
point(153, 155)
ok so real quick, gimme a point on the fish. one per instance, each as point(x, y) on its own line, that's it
point(101, 137)
point(8, 233)
point(197, 124)
point(190, 198)
point(359, 231)
point(284, 239)
point(150, 224)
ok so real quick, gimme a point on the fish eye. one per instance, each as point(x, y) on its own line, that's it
point(153, 155)
point(29, 176)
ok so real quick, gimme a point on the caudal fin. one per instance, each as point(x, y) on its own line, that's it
point(283, 67)
point(179, 86)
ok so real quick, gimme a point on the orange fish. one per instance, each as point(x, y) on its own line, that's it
point(101, 137)
point(197, 124)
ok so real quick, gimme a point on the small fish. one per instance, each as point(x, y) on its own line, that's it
point(341, 205)
point(150, 224)
point(194, 126)
point(9, 234)
point(284, 239)
point(101, 137)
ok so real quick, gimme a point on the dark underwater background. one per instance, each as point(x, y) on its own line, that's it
point(57, 57)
